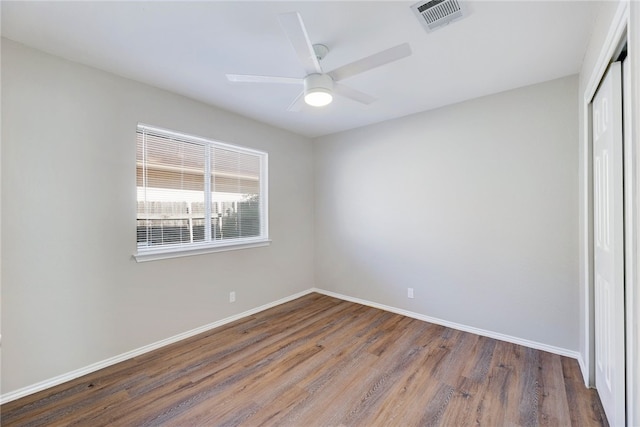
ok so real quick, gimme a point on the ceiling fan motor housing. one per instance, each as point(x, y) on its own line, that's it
point(315, 82)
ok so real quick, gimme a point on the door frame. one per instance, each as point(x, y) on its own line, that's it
point(622, 29)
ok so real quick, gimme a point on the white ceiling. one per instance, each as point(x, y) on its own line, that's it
point(188, 47)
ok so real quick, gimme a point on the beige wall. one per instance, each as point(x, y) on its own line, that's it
point(474, 206)
point(71, 293)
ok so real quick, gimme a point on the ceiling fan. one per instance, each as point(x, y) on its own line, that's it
point(319, 86)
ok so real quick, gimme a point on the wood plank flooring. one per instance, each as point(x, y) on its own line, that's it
point(320, 361)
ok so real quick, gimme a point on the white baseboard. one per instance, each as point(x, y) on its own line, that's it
point(43, 385)
point(490, 334)
point(583, 370)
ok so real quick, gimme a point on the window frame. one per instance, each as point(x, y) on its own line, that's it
point(152, 253)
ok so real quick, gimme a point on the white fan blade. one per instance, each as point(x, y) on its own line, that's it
point(294, 29)
point(297, 103)
point(247, 78)
point(351, 93)
point(373, 61)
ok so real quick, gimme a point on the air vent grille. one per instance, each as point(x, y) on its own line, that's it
point(437, 13)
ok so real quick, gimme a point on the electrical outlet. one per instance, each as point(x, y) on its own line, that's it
point(409, 292)
point(232, 296)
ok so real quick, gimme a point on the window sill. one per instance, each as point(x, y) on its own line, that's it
point(165, 253)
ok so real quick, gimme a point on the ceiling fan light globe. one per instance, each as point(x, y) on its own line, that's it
point(318, 97)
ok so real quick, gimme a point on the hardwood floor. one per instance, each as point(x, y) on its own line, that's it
point(319, 361)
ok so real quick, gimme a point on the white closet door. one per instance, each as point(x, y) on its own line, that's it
point(609, 245)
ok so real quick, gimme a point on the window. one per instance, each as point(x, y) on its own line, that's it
point(197, 196)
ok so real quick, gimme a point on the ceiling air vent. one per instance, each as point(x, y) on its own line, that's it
point(434, 14)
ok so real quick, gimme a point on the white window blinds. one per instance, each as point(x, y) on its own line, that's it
point(195, 193)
